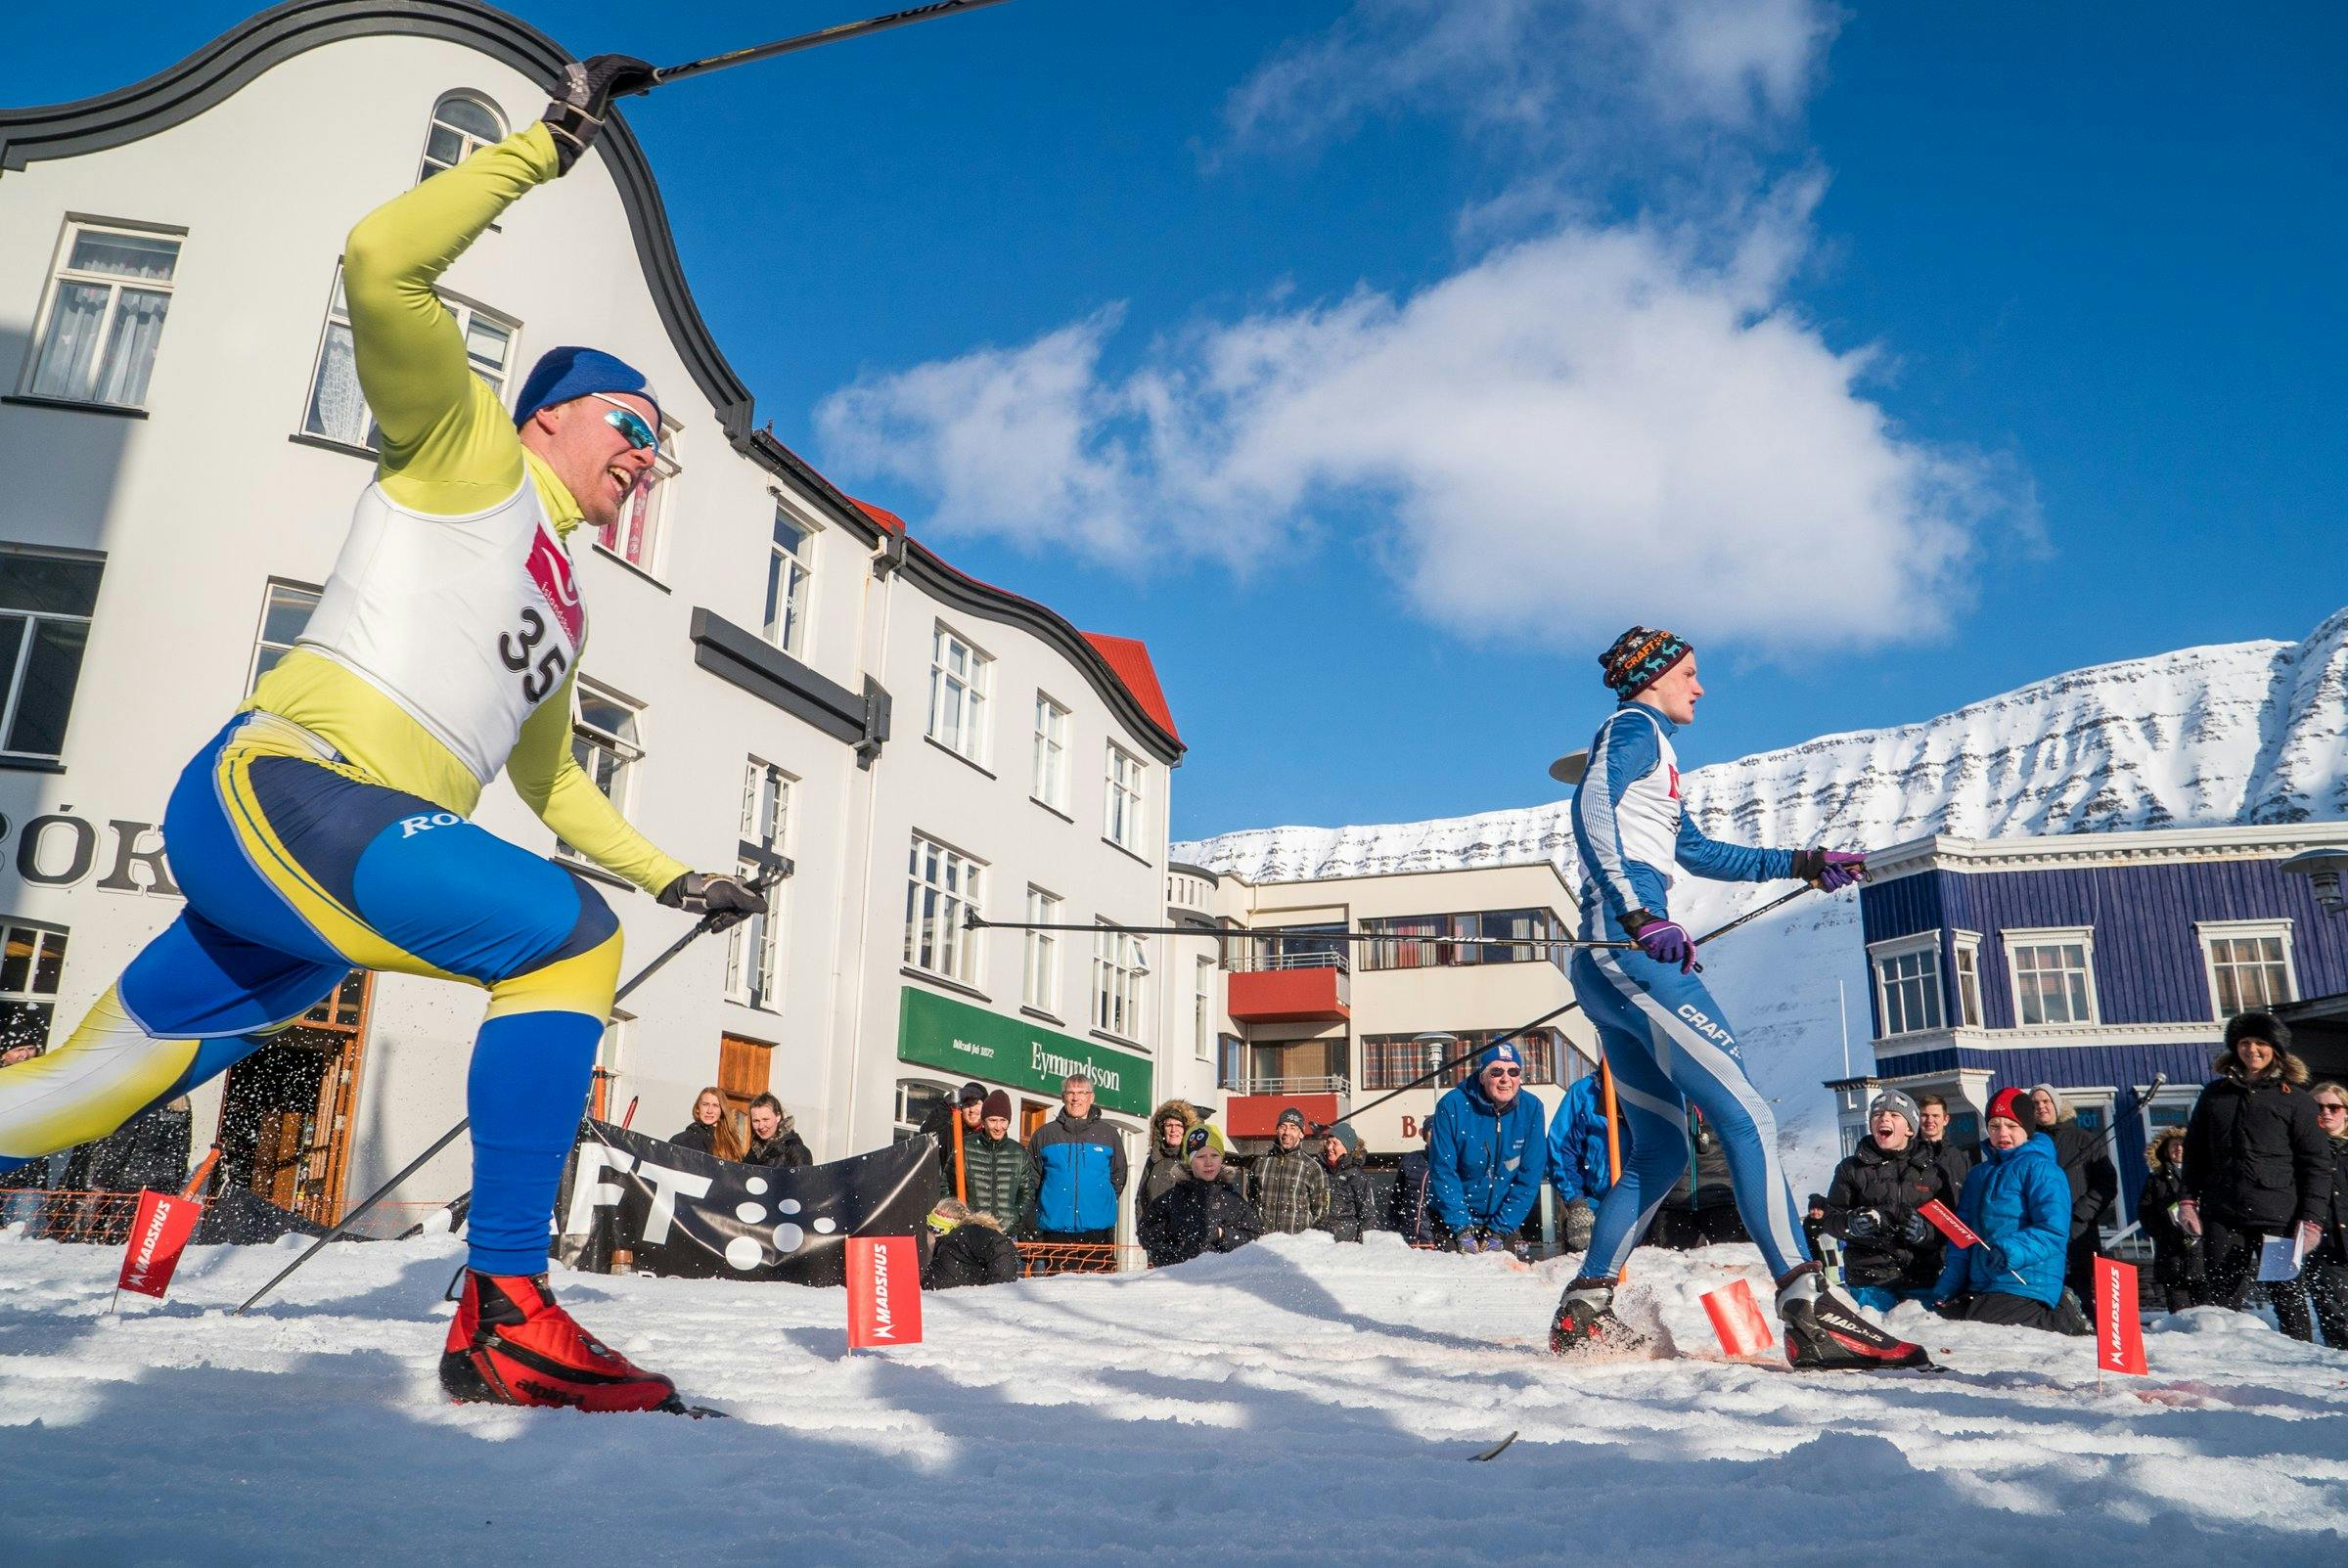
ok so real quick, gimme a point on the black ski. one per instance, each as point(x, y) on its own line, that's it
point(1493, 1452)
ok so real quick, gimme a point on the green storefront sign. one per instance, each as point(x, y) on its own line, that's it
point(972, 1043)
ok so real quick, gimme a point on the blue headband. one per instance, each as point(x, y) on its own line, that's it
point(563, 374)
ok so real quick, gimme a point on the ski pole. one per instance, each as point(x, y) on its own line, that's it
point(707, 923)
point(812, 40)
point(973, 921)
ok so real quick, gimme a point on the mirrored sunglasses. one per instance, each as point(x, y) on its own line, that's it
point(1504, 1072)
point(630, 423)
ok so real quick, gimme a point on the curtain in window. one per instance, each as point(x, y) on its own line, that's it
point(130, 356)
point(72, 345)
point(337, 409)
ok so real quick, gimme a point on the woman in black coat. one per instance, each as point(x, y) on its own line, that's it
point(2256, 1163)
point(2177, 1279)
point(1351, 1204)
point(2327, 1272)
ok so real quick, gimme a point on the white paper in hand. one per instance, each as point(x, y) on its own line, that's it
point(2279, 1260)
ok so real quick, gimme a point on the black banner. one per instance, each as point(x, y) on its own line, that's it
point(683, 1213)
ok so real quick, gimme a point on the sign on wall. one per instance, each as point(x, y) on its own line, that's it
point(972, 1043)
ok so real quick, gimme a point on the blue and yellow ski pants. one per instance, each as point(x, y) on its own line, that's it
point(298, 868)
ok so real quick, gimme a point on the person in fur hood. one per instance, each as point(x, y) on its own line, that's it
point(2176, 1279)
point(968, 1248)
point(2256, 1163)
point(1163, 1165)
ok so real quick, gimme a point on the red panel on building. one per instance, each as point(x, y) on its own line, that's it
point(1255, 1115)
point(1286, 996)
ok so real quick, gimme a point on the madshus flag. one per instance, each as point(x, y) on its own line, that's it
point(684, 1214)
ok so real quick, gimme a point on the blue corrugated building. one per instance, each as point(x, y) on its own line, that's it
point(2103, 964)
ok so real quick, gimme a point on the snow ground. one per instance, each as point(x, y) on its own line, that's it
point(1294, 1399)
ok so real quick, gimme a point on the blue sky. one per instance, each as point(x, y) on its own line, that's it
point(1377, 362)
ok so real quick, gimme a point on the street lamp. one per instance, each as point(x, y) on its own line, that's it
point(2324, 868)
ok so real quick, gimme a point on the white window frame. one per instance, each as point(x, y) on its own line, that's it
point(1926, 945)
point(2015, 938)
point(1966, 976)
point(625, 751)
point(970, 690)
point(470, 142)
point(290, 592)
point(2211, 932)
point(936, 940)
point(1204, 1010)
point(12, 695)
point(62, 272)
point(1121, 971)
point(766, 826)
point(498, 375)
point(1039, 969)
point(649, 503)
point(790, 582)
point(29, 995)
point(1124, 808)
point(1050, 786)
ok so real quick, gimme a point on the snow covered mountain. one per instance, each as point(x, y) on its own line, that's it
point(2234, 733)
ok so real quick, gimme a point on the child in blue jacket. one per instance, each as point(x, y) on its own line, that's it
point(2019, 1202)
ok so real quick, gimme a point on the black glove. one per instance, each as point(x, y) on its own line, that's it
point(1916, 1230)
point(575, 116)
point(1863, 1225)
point(724, 898)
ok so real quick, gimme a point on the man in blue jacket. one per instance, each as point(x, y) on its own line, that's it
point(1485, 1158)
point(1080, 1169)
point(1578, 1164)
point(1666, 1039)
point(2019, 1201)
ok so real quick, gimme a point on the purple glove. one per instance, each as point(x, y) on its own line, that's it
point(1831, 871)
point(1666, 942)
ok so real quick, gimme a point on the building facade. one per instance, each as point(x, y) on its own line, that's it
point(778, 677)
point(2103, 964)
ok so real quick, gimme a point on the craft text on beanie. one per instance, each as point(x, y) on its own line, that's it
point(1639, 658)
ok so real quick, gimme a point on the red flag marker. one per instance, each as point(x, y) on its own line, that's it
point(157, 1235)
point(884, 1292)
point(1936, 1214)
point(1737, 1318)
point(2119, 1331)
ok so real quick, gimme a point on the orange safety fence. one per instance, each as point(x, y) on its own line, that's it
point(104, 1218)
point(1078, 1257)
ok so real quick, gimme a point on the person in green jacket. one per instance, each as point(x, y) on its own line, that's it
point(997, 1172)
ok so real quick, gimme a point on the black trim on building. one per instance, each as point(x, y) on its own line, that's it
point(748, 660)
point(234, 60)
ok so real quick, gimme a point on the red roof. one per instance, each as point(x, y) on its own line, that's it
point(1130, 659)
point(1127, 658)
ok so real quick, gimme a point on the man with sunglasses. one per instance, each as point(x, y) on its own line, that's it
point(325, 827)
point(1487, 1155)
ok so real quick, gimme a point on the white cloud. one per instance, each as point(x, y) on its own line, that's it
point(1600, 424)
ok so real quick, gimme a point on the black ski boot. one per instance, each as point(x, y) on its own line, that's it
point(1586, 1328)
point(1825, 1332)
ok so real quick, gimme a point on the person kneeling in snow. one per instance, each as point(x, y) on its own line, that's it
point(970, 1249)
point(1489, 1155)
point(1890, 1252)
point(1200, 1213)
point(2019, 1202)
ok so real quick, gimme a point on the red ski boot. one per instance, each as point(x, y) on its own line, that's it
point(512, 1345)
point(1823, 1332)
point(1586, 1328)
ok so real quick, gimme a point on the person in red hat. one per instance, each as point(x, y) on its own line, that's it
point(2019, 1202)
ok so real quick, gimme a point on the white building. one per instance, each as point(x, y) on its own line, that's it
point(776, 674)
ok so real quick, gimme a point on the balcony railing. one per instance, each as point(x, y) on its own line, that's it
point(1321, 1083)
point(1249, 957)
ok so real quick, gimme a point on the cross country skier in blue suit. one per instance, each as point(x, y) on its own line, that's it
point(1665, 1036)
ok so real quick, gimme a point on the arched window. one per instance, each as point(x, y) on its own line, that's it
point(462, 123)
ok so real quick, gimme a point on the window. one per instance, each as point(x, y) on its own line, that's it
point(604, 741)
point(1124, 826)
point(957, 682)
point(1117, 971)
point(2250, 963)
point(1202, 1011)
point(462, 123)
point(285, 611)
point(917, 1097)
point(943, 886)
point(765, 832)
point(1231, 1072)
point(637, 534)
point(1050, 784)
point(1040, 985)
point(104, 316)
point(1433, 941)
point(33, 958)
point(1908, 989)
point(1390, 1062)
point(1969, 981)
point(789, 568)
point(336, 409)
point(45, 606)
point(2052, 980)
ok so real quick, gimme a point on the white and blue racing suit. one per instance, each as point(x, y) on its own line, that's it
point(1663, 1035)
